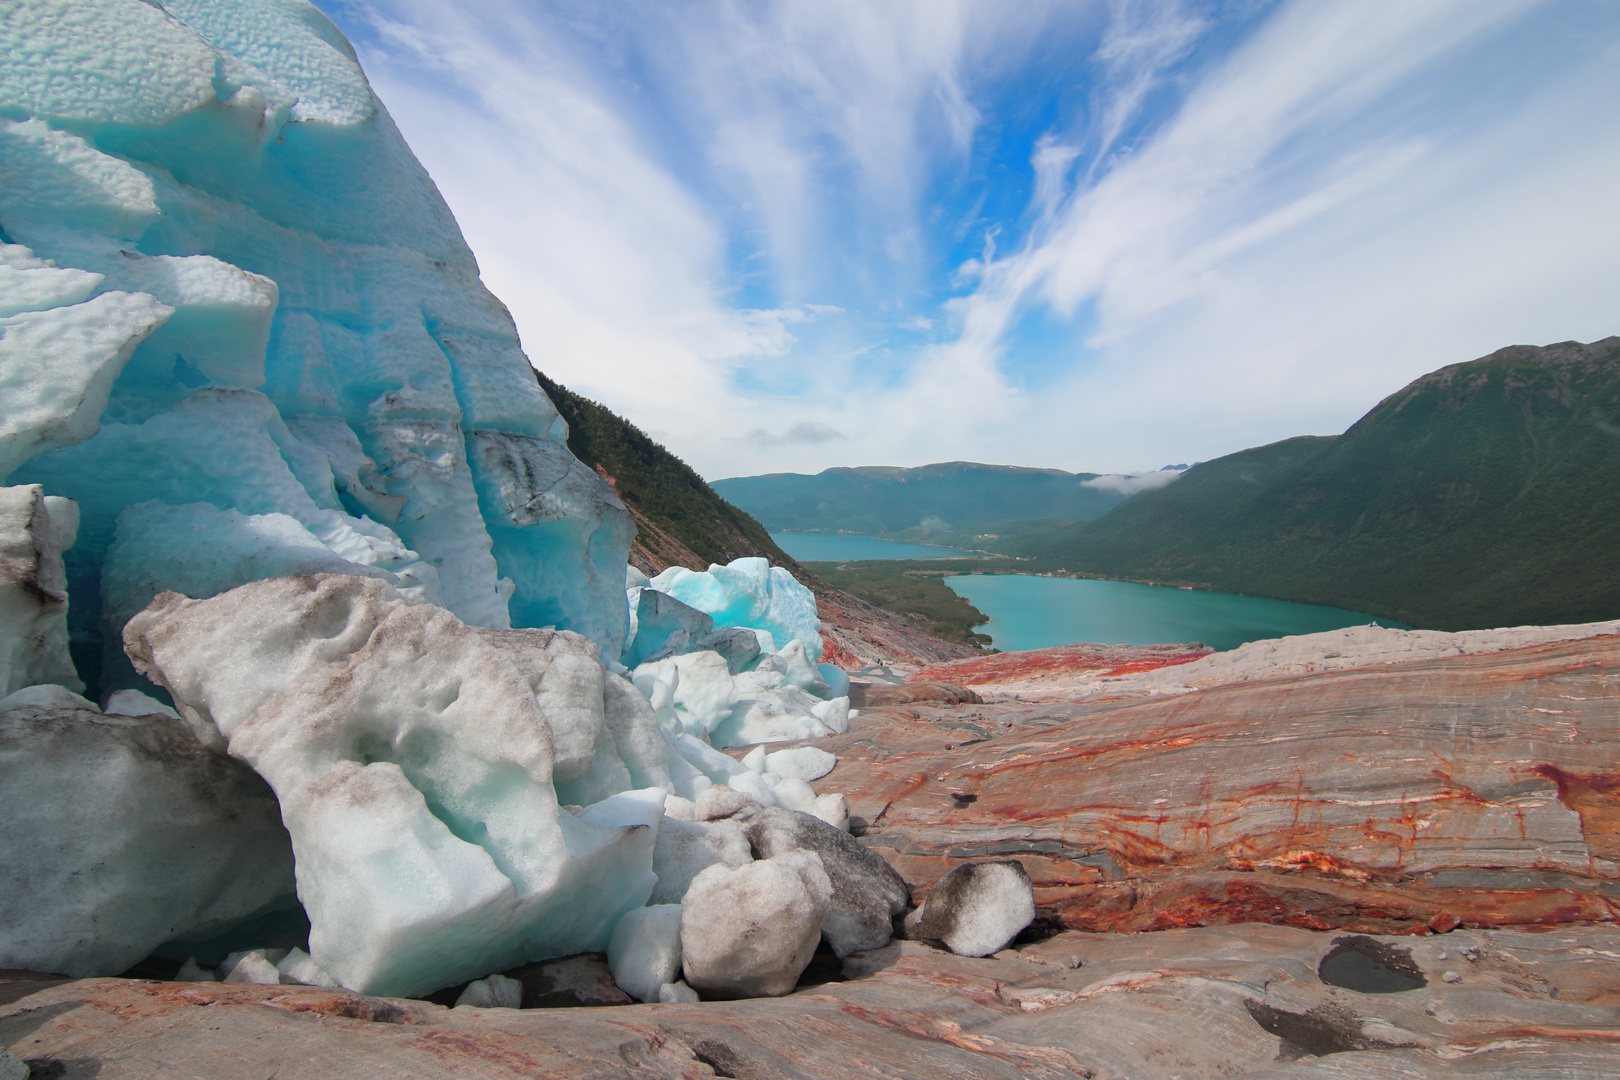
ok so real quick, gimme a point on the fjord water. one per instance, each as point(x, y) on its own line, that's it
point(818, 547)
point(1030, 612)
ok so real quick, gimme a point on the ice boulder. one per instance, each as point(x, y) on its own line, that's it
point(749, 931)
point(35, 529)
point(494, 992)
point(299, 968)
point(201, 551)
point(122, 833)
point(778, 713)
point(752, 593)
point(677, 993)
point(45, 696)
point(977, 908)
point(739, 645)
point(698, 694)
point(224, 279)
point(135, 703)
point(645, 952)
point(801, 762)
point(867, 892)
point(255, 967)
point(685, 849)
point(423, 767)
point(664, 627)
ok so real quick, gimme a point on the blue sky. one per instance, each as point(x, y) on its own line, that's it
point(1101, 236)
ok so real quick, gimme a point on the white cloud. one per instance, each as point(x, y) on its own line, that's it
point(1326, 218)
point(804, 433)
point(712, 216)
point(1133, 483)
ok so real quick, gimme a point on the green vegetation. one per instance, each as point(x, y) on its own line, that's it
point(912, 590)
point(1484, 494)
point(657, 485)
point(915, 503)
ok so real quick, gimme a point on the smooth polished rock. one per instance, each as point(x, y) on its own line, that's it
point(1451, 788)
point(1237, 1001)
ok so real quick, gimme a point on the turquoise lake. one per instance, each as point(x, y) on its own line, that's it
point(1029, 612)
point(816, 547)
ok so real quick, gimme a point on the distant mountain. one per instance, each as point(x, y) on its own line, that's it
point(1483, 494)
point(928, 499)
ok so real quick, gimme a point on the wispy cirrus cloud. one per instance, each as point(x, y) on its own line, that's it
point(1094, 235)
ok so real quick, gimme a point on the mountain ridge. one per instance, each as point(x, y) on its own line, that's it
point(916, 500)
point(1483, 493)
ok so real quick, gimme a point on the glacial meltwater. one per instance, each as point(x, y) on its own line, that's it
point(1030, 612)
point(821, 547)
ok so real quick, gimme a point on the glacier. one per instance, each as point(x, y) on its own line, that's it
point(280, 491)
point(227, 282)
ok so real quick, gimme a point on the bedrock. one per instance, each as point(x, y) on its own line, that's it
point(1477, 789)
point(1244, 1001)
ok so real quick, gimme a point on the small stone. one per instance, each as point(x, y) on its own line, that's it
point(12, 1067)
point(1035, 998)
point(1444, 923)
point(1451, 977)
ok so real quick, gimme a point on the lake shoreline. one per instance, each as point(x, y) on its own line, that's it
point(1038, 611)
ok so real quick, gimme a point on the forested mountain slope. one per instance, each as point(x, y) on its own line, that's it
point(680, 521)
point(877, 499)
point(1482, 494)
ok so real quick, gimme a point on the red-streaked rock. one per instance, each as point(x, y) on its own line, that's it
point(871, 695)
point(1479, 788)
point(1056, 671)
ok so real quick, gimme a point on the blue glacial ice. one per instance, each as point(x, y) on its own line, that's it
point(274, 451)
point(226, 281)
point(749, 592)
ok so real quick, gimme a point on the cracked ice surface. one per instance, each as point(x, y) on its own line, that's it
point(225, 282)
